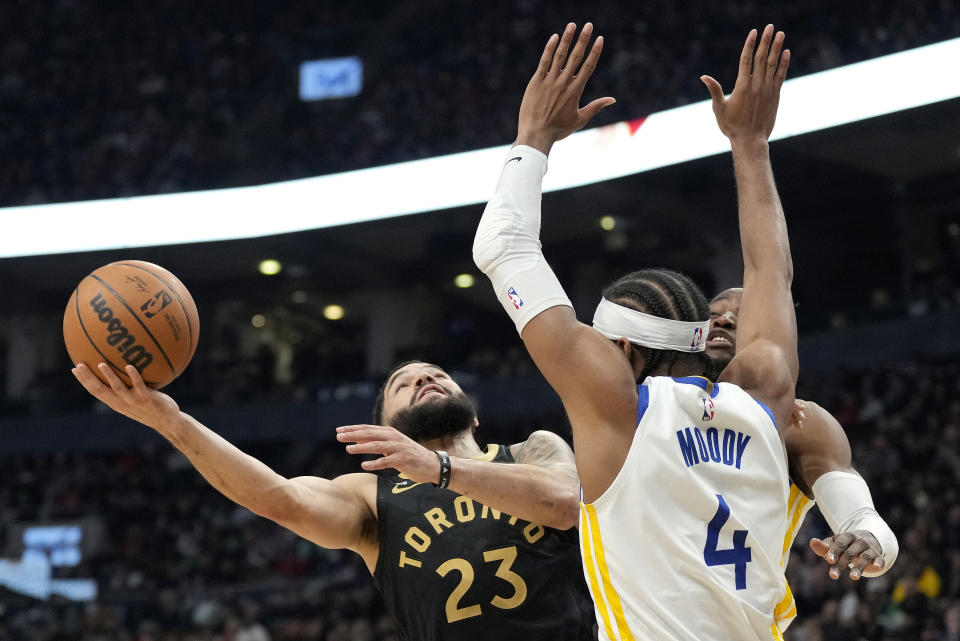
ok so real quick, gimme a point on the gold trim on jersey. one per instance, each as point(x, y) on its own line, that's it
point(798, 504)
point(490, 454)
point(587, 554)
point(609, 593)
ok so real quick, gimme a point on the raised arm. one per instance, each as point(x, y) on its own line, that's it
point(766, 360)
point(594, 381)
point(820, 465)
point(542, 487)
point(332, 514)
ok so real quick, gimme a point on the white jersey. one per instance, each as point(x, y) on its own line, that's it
point(688, 540)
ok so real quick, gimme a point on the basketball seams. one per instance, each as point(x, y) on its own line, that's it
point(76, 300)
point(173, 291)
point(137, 318)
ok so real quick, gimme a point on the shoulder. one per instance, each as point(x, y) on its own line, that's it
point(763, 371)
point(542, 446)
point(821, 433)
point(819, 447)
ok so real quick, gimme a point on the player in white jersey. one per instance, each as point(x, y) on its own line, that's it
point(684, 507)
point(821, 471)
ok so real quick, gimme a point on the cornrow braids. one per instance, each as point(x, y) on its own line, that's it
point(664, 293)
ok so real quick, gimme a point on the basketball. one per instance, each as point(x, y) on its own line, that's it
point(132, 312)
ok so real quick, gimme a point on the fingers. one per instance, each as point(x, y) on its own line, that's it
point(134, 375)
point(377, 464)
point(746, 59)
point(840, 544)
point(773, 58)
point(763, 50)
point(716, 91)
point(590, 64)
point(848, 558)
point(576, 56)
point(782, 69)
point(819, 547)
point(89, 380)
point(544, 67)
point(594, 107)
point(364, 433)
point(113, 380)
point(560, 55)
point(868, 561)
point(372, 447)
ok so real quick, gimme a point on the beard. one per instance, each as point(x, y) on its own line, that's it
point(435, 419)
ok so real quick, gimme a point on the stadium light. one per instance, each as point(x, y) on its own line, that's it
point(809, 103)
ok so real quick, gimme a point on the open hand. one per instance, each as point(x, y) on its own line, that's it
point(141, 403)
point(550, 110)
point(397, 450)
point(751, 110)
point(859, 549)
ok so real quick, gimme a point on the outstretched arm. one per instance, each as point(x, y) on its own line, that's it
point(542, 487)
point(593, 380)
point(820, 465)
point(332, 514)
point(766, 361)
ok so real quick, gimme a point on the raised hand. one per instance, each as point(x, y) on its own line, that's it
point(859, 549)
point(141, 403)
point(550, 110)
point(397, 450)
point(751, 110)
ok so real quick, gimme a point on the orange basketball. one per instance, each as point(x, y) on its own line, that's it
point(132, 312)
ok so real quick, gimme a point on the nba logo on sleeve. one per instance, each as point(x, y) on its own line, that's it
point(515, 298)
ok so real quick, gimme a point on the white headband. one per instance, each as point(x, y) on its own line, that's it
point(616, 321)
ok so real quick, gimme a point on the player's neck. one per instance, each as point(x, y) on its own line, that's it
point(461, 444)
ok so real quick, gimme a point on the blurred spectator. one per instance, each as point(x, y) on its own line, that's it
point(176, 96)
point(181, 563)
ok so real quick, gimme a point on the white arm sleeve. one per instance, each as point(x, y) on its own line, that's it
point(507, 245)
point(845, 502)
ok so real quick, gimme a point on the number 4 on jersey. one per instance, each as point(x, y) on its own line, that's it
point(738, 556)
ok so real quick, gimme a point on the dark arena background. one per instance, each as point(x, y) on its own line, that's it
point(109, 100)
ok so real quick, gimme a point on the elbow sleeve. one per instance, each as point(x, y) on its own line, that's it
point(507, 245)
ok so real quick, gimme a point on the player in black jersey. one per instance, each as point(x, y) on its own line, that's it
point(492, 556)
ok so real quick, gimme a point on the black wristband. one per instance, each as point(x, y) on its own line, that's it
point(444, 469)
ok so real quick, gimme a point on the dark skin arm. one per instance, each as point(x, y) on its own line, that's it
point(819, 447)
point(766, 363)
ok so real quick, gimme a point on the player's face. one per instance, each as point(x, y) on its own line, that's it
point(722, 339)
point(422, 401)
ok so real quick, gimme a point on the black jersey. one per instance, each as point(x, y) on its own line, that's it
point(453, 569)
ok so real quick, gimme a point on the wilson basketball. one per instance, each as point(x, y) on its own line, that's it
point(132, 312)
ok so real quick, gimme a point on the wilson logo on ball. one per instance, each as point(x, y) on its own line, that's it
point(119, 336)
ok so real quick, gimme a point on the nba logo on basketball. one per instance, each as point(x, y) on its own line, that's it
point(708, 409)
point(515, 298)
point(697, 339)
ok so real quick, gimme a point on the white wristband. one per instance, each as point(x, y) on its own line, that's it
point(507, 245)
point(845, 502)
